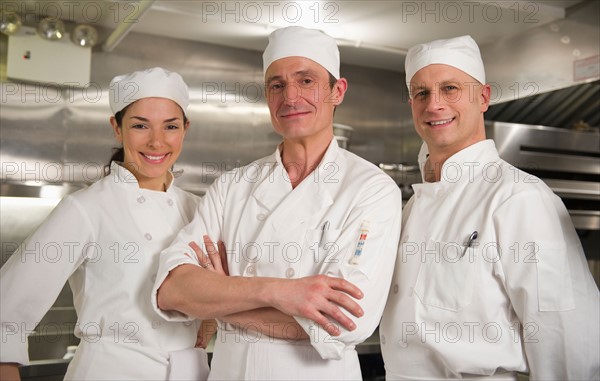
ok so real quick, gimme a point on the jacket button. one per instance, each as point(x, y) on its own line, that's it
point(170, 202)
point(251, 270)
point(289, 273)
point(155, 324)
point(148, 236)
point(396, 289)
point(153, 278)
point(382, 339)
point(141, 199)
point(261, 216)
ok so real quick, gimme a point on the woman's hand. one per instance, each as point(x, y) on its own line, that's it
point(216, 260)
point(212, 262)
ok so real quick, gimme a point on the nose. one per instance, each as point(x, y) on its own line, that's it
point(291, 93)
point(156, 138)
point(435, 102)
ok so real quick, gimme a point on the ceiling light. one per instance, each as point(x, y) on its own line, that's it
point(51, 28)
point(10, 23)
point(84, 35)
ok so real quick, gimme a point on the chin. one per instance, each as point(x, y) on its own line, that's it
point(155, 173)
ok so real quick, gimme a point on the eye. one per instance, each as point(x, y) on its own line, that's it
point(450, 88)
point(306, 82)
point(421, 94)
point(172, 127)
point(275, 86)
point(138, 126)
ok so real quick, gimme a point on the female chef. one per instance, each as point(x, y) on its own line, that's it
point(106, 241)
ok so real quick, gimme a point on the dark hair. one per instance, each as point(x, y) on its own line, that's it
point(332, 80)
point(119, 152)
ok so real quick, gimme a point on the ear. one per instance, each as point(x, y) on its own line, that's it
point(339, 89)
point(118, 131)
point(186, 126)
point(486, 92)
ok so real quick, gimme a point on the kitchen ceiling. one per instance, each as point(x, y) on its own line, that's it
point(370, 33)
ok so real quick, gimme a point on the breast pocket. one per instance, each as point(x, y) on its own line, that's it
point(445, 279)
point(321, 247)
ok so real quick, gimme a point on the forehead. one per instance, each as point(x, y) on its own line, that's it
point(153, 106)
point(284, 67)
point(439, 73)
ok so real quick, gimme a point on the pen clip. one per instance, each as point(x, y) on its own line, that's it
point(323, 230)
point(472, 238)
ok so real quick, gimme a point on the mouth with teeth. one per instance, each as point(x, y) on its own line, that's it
point(154, 159)
point(440, 123)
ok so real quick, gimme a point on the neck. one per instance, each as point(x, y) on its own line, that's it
point(436, 160)
point(433, 167)
point(301, 158)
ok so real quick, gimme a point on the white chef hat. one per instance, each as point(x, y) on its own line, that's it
point(460, 52)
point(302, 42)
point(156, 82)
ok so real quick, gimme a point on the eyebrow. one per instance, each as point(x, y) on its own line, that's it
point(147, 120)
point(299, 73)
point(417, 88)
point(444, 82)
point(453, 80)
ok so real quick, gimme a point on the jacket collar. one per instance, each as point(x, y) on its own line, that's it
point(307, 199)
point(124, 176)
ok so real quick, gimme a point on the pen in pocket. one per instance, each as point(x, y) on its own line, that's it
point(364, 230)
point(323, 230)
point(472, 238)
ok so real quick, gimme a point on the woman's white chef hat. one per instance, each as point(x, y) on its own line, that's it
point(150, 83)
point(302, 42)
point(460, 52)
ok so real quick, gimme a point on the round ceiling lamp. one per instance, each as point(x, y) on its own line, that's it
point(51, 28)
point(84, 35)
point(10, 23)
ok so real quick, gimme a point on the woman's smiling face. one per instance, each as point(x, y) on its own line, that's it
point(152, 133)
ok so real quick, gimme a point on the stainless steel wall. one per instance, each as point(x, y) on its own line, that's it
point(51, 134)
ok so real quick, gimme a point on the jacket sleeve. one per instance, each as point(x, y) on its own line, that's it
point(550, 287)
point(378, 211)
point(34, 275)
point(208, 219)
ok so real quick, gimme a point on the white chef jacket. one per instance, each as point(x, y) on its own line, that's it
point(520, 299)
point(272, 230)
point(105, 240)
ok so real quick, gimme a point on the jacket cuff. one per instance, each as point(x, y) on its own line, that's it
point(328, 347)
